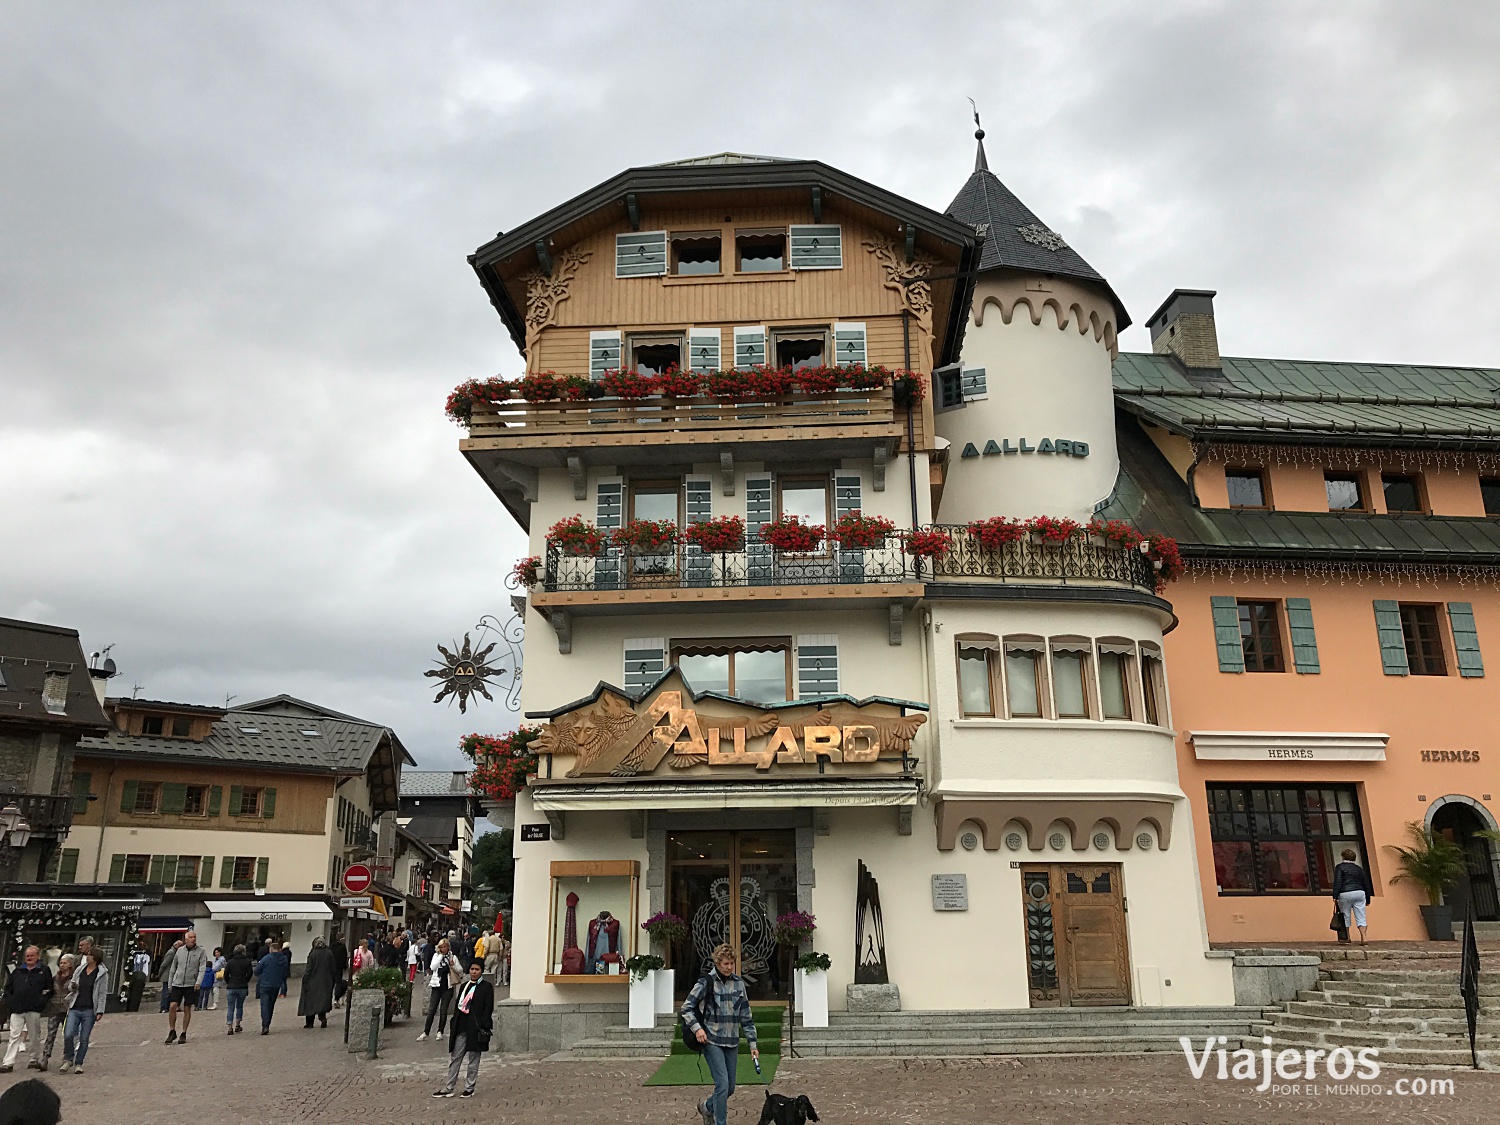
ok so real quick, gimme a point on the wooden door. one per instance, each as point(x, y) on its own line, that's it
point(1075, 934)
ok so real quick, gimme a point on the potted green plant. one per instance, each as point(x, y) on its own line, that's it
point(392, 982)
point(644, 969)
point(812, 987)
point(1434, 864)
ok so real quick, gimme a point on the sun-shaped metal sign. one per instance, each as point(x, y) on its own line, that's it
point(464, 673)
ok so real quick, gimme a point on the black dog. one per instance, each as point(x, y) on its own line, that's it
point(787, 1111)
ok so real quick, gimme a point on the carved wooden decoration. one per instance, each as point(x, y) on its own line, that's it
point(544, 294)
point(902, 276)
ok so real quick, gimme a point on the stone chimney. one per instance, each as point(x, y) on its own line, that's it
point(55, 692)
point(1184, 327)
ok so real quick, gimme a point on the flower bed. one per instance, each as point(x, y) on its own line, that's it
point(995, 532)
point(792, 535)
point(502, 764)
point(722, 533)
point(574, 535)
point(858, 532)
point(646, 537)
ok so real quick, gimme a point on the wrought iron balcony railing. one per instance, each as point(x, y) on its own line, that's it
point(1081, 560)
point(48, 815)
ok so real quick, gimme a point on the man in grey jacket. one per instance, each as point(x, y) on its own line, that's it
point(183, 979)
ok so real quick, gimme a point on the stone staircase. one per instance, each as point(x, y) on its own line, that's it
point(1034, 1031)
point(1403, 1001)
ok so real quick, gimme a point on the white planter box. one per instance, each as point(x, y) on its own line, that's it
point(812, 997)
point(643, 1000)
point(665, 1004)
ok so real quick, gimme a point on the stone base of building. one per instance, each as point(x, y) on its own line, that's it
point(872, 998)
point(522, 1026)
point(1266, 979)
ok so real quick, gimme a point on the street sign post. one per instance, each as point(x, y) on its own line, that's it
point(357, 878)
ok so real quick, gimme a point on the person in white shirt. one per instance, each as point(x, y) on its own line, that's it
point(444, 974)
point(412, 959)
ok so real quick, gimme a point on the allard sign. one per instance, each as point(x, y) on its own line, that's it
point(614, 737)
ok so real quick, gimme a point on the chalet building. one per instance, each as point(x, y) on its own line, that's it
point(956, 752)
point(247, 816)
point(1329, 674)
point(422, 872)
point(437, 807)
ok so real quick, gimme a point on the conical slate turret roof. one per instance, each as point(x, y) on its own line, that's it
point(1014, 237)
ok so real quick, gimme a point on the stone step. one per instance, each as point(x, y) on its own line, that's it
point(1483, 931)
point(1345, 1037)
point(1407, 989)
point(1060, 1016)
point(1489, 977)
point(1328, 995)
point(968, 1048)
point(996, 1032)
point(1363, 1012)
point(1436, 1026)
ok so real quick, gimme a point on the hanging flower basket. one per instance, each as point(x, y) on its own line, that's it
point(718, 535)
point(665, 928)
point(575, 536)
point(993, 533)
point(528, 572)
point(461, 401)
point(1163, 552)
point(929, 544)
point(907, 387)
point(791, 535)
point(646, 537)
point(794, 927)
point(503, 764)
point(1053, 530)
point(858, 532)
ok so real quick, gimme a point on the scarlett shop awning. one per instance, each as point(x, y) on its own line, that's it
point(269, 910)
point(826, 793)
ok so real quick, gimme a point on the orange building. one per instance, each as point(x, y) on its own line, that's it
point(1327, 675)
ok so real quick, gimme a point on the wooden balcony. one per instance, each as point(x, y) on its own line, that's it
point(47, 814)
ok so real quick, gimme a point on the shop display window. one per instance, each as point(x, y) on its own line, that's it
point(1282, 839)
point(593, 921)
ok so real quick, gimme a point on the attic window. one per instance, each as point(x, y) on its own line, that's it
point(695, 253)
point(152, 724)
point(249, 730)
point(760, 251)
point(312, 733)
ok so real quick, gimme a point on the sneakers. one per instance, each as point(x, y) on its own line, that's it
point(467, 1094)
point(182, 1038)
point(172, 1036)
point(442, 1093)
point(229, 1029)
point(6, 1069)
point(422, 1038)
point(43, 1065)
point(705, 1113)
point(34, 1064)
point(66, 1066)
point(78, 1069)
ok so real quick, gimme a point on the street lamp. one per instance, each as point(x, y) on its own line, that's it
point(15, 829)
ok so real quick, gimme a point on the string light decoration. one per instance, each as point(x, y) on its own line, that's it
point(1346, 457)
point(1220, 571)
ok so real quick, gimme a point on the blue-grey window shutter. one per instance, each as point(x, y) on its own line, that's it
point(604, 353)
point(817, 248)
point(1465, 639)
point(645, 661)
point(1392, 639)
point(817, 665)
point(849, 345)
point(1227, 634)
point(749, 346)
point(759, 563)
point(704, 346)
point(698, 564)
point(1304, 640)
point(609, 513)
point(976, 384)
point(847, 499)
point(641, 253)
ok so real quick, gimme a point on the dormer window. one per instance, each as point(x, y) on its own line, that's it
point(760, 250)
point(1246, 488)
point(153, 725)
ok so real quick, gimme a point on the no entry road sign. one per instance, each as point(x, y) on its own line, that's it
point(357, 878)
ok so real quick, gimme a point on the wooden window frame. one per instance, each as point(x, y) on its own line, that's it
point(177, 883)
point(751, 233)
point(1419, 480)
point(776, 335)
point(1039, 659)
point(675, 238)
point(161, 726)
point(1085, 650)
point(1127, 679)
point(1247, 648)
point(235, 881)
point(712, 646)
point(1153, 689)
point(633, 340)
point(1258, 471)
point(1442, 663)
point(1360, 484)
point(152, 791)
point(829, 500)
point(245, 792)
point(145, 864)
point(202, 791)
point(993, 677)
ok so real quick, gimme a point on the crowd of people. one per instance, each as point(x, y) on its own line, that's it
point(71, 1000)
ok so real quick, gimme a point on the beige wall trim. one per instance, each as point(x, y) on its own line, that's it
point(1123, 818)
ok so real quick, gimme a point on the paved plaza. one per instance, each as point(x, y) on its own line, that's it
point(295, 1075)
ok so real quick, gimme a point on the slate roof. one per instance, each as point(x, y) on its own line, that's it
point(986, 203)
point(437, 832)
point(1150, 494)
point(29, 650)
point(434, 783)
point(1297, 401)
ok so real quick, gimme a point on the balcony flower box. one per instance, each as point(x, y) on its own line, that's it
point(629, 384)
point(820, 380)
point(502, 765)
point(790, 535)
point(540, 386)
point(575, 536)
point(1053, 531)
point(1115, 534)
point(929, 544)
point(993, 533)
point(718, 535)
point(858, 532)
point(646, 537)
point(679, 384)
point(862, 378)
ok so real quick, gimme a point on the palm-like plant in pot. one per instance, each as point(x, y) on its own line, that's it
point(1434, 864)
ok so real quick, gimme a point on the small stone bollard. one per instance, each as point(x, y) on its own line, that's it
point(366, 1018)
point(872, 998)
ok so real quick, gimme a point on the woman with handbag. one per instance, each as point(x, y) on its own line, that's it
point(444, 974)
point(473, 1014)
point(1352, 891)
point(716, 1010)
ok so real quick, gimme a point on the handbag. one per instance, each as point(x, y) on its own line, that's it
point(1337, 924)
point(689, 1040)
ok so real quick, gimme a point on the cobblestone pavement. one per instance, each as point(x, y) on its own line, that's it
point(294, 1075)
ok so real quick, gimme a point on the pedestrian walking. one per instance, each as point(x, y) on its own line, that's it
point(413, 959)
point(494, 946)
point(56, 1011)
point(185, 978)
point(364, 958)
point(473, 1015)
point(715, 1011)
point(90, 993)
point(27, 990)
point(340, 953)
point(210, 974)
point(163, 971)
point(237, 973)
point(1352, 890)
point(271, 973)
point(443, 975)
point(317, 984)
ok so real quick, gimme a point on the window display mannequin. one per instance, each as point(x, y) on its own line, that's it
point(604, 941)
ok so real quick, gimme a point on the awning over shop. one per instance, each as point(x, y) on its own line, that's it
point(269, 910)
point(165, 925)
point(832, 792)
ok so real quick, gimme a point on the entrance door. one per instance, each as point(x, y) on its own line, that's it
point(730, 887)
point(1075, 934)
point(1458, 824)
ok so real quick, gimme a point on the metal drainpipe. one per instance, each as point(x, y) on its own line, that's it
point(103, 822)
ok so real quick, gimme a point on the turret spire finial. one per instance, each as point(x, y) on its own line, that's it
point(980, 163)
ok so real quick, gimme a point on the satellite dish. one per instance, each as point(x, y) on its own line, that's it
point(108, 667)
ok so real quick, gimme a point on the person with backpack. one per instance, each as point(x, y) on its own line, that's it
point(714, 1013)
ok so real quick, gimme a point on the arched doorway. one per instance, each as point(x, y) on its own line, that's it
point(1458, 821)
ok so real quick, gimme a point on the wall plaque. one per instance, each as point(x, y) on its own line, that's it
point(950, 892)
point(535, 832)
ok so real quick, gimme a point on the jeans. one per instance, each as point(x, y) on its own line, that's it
point(456, 1062)
point(235, 1010)
point(437, 1005)
point(267, 1008)
point(76, 1034)
point(205, 996)
point(23, 1025)
point(722, 1063)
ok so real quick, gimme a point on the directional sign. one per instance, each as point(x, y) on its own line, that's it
point(357, 878)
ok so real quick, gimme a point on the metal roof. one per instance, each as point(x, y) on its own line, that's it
point(434, 783)
point(722, 158)
point(28, 651)
point(255, 738)
point(1311, 401)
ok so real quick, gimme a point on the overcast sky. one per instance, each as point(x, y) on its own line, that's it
point(233, 287)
